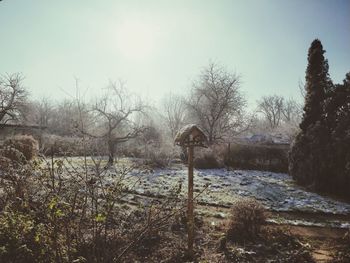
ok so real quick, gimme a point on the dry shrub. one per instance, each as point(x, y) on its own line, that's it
point(130, 151)
point(5, 163)
point(61, 145)
point(71, 146)
point(248, 215)
point(159, 157)
point(25, 144)
point(207, 159)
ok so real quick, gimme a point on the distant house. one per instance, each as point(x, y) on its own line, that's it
point(9, 130)
point(269, 139)
point(264, 139)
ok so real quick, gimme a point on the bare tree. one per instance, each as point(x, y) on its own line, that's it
point(175, 112)
point(292, 111)
point(13, 98)
point(216, 103)
point(114, 114)
point(43, 112)
point(271, 107)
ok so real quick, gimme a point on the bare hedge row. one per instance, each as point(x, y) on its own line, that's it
point(240, 156)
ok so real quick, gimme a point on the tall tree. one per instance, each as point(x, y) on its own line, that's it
point(338, 155)
point(216, 103)
point(307, 154)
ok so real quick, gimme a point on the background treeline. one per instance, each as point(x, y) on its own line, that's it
point(121, 124)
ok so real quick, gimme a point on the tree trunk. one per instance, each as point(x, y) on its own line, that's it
point(111, 151)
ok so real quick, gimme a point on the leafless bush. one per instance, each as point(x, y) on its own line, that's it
point(73, 209)
point(248, 215)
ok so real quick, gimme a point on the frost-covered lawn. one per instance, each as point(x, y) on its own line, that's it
point(276, 191)
point(219, 188)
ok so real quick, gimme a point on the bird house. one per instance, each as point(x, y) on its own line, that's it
point(191, 135)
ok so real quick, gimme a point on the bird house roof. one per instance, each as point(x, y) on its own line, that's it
point(191, 134)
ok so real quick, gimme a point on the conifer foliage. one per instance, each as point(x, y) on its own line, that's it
point(320, 155)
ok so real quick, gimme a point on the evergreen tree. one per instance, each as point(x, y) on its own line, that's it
point(338, 121)
point(317, 85)
point(306, 163)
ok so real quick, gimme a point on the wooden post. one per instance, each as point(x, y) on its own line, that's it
point(190, 218)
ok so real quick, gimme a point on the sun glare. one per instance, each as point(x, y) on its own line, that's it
point(135, 39)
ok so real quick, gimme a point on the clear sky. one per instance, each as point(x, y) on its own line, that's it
point(159, 47)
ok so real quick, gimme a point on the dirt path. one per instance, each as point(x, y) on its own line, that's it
point(324, 240)
point(322, 254)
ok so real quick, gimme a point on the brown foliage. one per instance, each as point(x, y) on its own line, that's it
point(25, 144)
point(248, 215)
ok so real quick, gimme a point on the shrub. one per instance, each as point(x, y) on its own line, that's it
point(25, 144)
point(207, 159)
point(131, 151)
point(19, 239)
point(71, 146)
point(158, 157)
point(248, 215)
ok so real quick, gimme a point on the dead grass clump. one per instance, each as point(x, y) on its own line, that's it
point(25, 144)
point(248, 216)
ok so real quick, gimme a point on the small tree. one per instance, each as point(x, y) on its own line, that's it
point(114, 118)
point(13, 98)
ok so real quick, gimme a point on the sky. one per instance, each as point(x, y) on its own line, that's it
point(160, 47)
